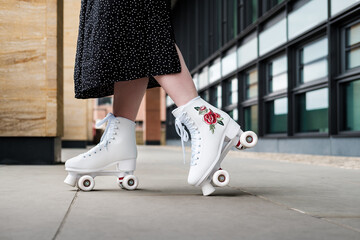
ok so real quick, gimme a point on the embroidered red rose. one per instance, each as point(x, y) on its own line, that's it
point(210, 117)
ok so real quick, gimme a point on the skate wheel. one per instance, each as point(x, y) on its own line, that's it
point(86, 183)
point(130, 182)
point(248, 139)
point(221, 178)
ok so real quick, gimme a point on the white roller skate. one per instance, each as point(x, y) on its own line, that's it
point(116, 150)
point(213, 133)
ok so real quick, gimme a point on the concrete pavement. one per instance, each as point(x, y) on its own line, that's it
point(266, 199)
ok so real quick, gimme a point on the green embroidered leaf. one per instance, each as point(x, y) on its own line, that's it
point(212, 127)
point(220, 119)
point(221, 123)
point(202, 112)
point(197, 108)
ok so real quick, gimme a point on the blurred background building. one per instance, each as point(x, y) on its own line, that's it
point(288, 70)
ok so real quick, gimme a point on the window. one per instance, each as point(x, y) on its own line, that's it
point(352, 46)
point(277, 74)
point(268, 4)
point(203, 77)
point(231, 20)
point(251, 84)
point(205, 95)
point(313, 61)
point(231, 98)
point(273, 34)
point(234, 114)
point(215, 23)
point(215, 70)
point(216, 96)
point(251, 118)
point(337, 5)
point(276, 115)
point(313, 111)
point(203, 31)
point(248, 50)
point(104, 101)
point(228, 62)
point(231, 88)
point(350, 115)
point(306, 16)
point(251, 10)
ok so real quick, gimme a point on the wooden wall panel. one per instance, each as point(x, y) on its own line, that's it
point(30, 97)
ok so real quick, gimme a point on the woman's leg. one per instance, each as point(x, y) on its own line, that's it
point(128, 96)
point(179, 86)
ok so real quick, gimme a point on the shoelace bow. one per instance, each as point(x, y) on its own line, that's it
point(195, 136)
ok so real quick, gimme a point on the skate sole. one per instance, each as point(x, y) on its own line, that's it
point(126, 165)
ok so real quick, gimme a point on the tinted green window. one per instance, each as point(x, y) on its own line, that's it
point(353, 46)
point(205, 95)
point(234, 114)
point(251, 82)
point(251, 10)
point(351, 96)
point(251, 118)
point(231, 23)
point(313, 111)
point(277, 112)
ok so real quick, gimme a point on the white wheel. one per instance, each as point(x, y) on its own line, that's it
point(86, 183)
point(248, 139)
point(221, 178)
point(119, 182)
point(130, 182)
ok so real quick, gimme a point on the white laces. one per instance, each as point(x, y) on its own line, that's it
point(195, 136)
point(109, 130)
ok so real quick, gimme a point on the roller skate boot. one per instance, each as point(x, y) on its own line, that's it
point(116, 151)
point(213, 133)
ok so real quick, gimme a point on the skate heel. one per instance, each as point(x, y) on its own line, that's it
point(232, 129)
point(127, 165)
point(70, 179)
point(207, 188)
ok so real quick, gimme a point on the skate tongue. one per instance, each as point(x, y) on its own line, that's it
point(109, 127)
point(180, 129)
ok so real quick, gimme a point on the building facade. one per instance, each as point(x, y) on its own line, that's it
point(288, 70)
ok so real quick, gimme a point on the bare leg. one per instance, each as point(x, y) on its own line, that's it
point(128, 96)
point(179, 86)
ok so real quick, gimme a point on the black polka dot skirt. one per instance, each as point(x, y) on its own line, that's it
point(122, 40)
